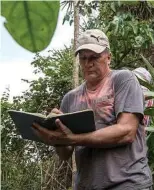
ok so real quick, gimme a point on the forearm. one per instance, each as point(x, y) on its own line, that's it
point(111, 136)
point(64, 152)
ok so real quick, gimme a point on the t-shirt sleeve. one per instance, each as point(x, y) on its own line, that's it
point(128, 94)
point(64, 104)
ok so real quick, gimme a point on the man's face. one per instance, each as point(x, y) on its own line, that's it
point(94, 66)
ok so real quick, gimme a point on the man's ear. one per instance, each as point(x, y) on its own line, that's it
point(109, 58)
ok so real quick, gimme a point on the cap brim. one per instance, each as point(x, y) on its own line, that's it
point(93, 47)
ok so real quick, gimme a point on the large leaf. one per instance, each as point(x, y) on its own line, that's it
point(150, 129)
point(149, 111)
point(149, 94)
point(31, 23)
point(145, 83)
point(150, 67)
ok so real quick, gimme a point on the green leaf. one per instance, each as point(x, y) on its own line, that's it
point(116, 23)
point(150, 129)
point(89, 10)
point(134, 27)
point(67, 17)
point(145, 83)
point(113, 7)
point(149, 94)
point(151, 37)
point(149, 111)
point(132, 3)
point(151, 2)
point(71, 21)
point(31, 23)
point(150, 67)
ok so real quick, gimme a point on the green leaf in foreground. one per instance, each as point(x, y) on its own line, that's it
point(31, 23)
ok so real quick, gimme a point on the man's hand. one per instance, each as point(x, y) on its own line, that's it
point(56, 111)
point(61, 136)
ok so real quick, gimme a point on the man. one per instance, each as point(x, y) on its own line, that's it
point(114, 156)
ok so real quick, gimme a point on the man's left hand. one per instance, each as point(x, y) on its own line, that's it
point(61, 136)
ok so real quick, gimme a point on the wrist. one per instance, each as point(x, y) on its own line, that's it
point(75, 139)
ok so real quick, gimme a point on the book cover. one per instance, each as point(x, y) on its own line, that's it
point(77, 122)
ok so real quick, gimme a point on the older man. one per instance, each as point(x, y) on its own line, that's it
point(114, 156)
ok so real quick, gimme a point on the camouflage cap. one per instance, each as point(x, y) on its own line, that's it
point(94, 40)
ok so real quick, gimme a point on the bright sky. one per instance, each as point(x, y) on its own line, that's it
point(15, 60)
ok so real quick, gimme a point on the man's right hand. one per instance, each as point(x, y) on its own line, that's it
point(54, 112)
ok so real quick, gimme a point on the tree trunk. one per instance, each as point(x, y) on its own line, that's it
point(75, 72)
point(76, 33)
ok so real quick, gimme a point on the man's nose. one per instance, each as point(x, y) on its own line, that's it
point(86, 62)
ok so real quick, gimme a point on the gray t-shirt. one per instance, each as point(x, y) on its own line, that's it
point(118, 168)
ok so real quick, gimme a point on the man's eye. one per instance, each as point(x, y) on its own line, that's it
point(83, 58)
point(93, 58)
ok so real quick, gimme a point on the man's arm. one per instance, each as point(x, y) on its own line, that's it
point(123, 132)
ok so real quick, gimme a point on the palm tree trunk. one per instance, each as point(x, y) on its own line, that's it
point(76, 33)
point(75, 72)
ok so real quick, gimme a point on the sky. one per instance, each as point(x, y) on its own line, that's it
point(15, 60)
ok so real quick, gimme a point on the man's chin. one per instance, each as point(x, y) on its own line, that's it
point(91, 78)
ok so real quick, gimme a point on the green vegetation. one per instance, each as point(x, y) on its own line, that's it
point(150, 111)
point(31, 23)
point(28, 165)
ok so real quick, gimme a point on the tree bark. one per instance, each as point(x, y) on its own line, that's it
point(76, 34)
point(75, 71)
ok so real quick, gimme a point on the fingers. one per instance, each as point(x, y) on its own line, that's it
point(62, 127)
point(60, 124)
point(40, 129)
point(52, 137)
point(41, 132)
point(56, 111)
point(44, 134)
point(35, 128)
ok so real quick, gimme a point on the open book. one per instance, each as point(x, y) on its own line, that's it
point(77, 122)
